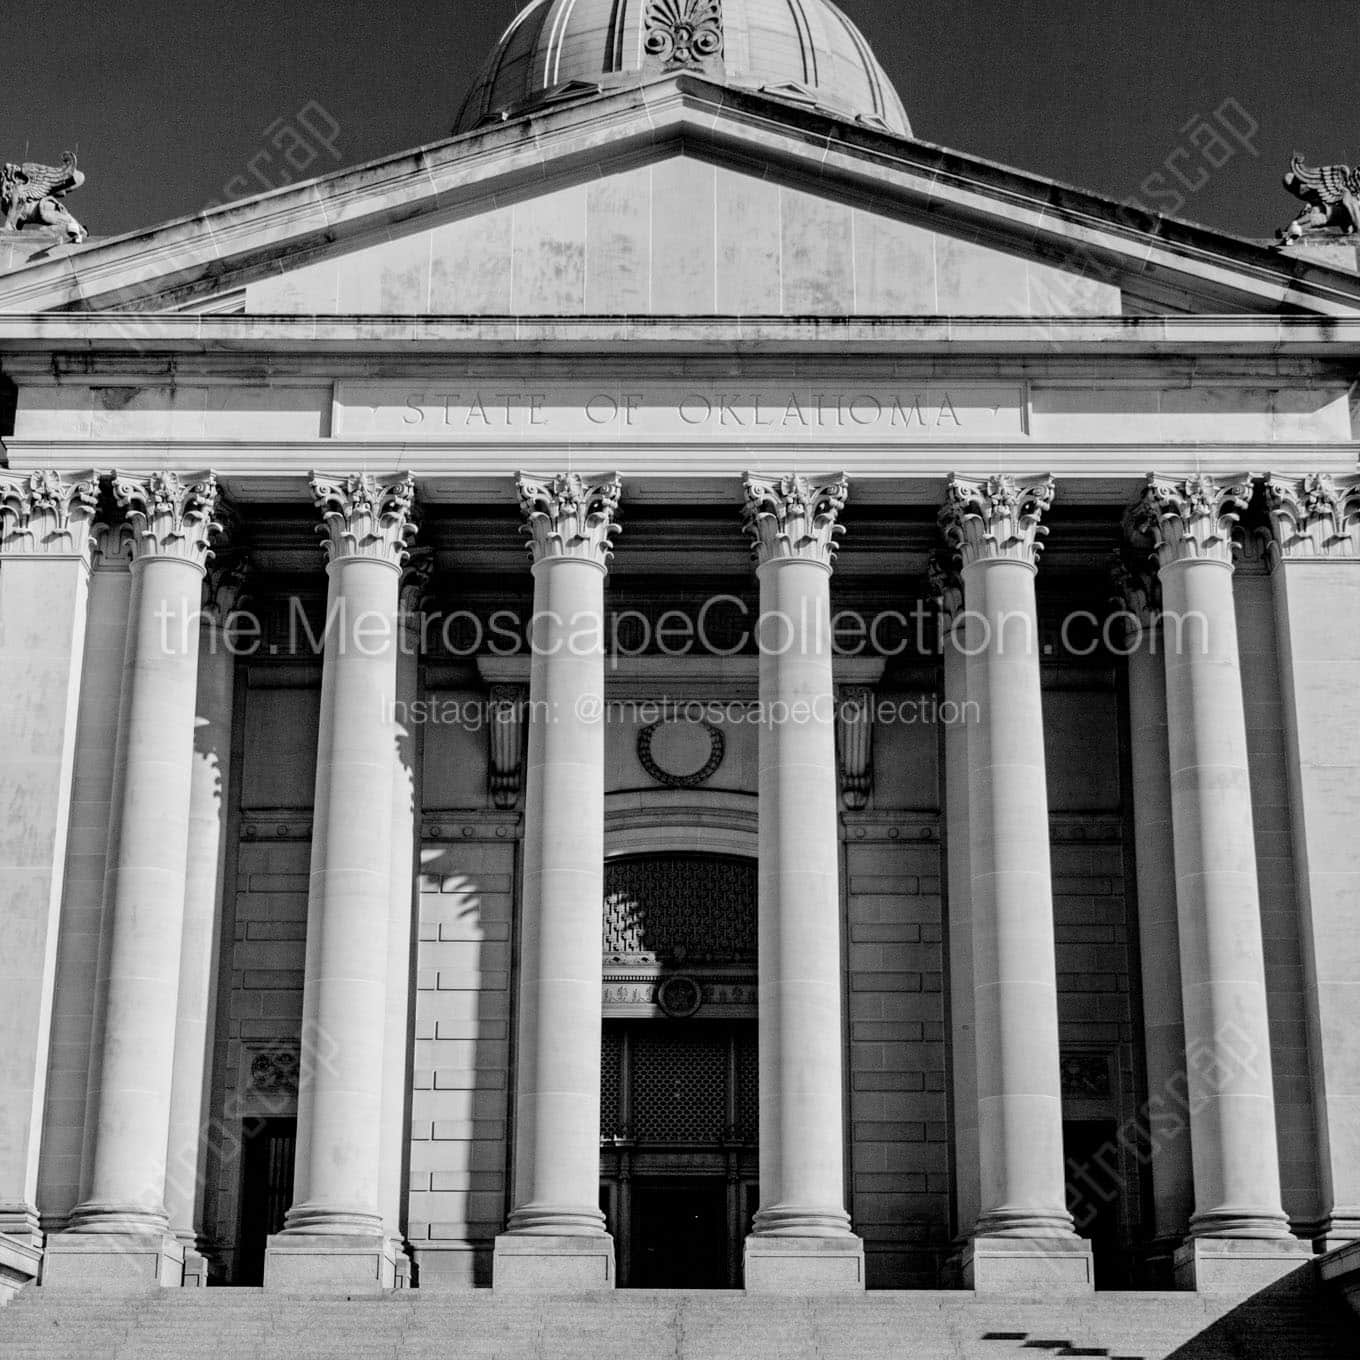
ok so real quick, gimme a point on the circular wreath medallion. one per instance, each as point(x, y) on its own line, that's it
point(679, 997)
point(681, 754)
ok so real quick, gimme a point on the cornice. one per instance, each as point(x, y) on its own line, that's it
point(147, 335)
point(200, 255)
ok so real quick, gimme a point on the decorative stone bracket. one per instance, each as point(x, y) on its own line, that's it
point(506, 726)
point(855, 742)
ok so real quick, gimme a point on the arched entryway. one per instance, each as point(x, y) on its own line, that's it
point(679, 1088)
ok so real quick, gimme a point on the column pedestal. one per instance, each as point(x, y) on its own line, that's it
point(19, 1266)
point(547, 1264)
point(113, 1262)
point(330, 1263)
point(1028, 1265)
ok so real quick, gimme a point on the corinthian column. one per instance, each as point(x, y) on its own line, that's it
point(44, 589)
point(801, 1238)
point(555, 1237)
point(1316, 577)
point(1239, 1233)
point(333, 1235)
point(947, 587)
point(1140, 596)
point(1024, 1238)
point(205, 870)
point(119, 1234)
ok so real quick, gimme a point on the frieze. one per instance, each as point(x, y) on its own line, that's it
point(492, 410)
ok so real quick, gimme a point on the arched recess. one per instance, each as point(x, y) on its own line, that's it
point(680, 821)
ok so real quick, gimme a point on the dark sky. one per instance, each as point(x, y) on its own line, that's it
point(168, 102)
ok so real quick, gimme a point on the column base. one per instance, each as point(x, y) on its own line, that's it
point(804, 1265)
point(1239, 1265)
point(127, 1263)
point(528, 1263)
point(332, 1263)
point(1045, 1266)
point(20, 1263)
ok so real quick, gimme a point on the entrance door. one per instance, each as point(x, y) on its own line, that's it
point(679, 1234)
point(1095, 1185)
point(268, 1148)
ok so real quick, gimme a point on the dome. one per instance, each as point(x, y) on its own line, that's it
point(802, 50)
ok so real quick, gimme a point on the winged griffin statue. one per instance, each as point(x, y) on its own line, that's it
point(1332, 195)
point(31, 194)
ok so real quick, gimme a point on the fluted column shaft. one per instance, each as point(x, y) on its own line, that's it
point(557, 1131)
point(205, 870)
point(995, 526)
point(44, 590)
point(1316, 559)
point(1170, 1166)
point(1236, 1160)
point(401, 916)
point(366, 528)
point(792, 522)
point(948, 588)
point(147, 853)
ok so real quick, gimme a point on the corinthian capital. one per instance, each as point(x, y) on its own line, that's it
point(794, 517)
point(363, 517)
point(1315, 516)
point(996, 518)
point(1135, 587)
point(168, 516)
point(40, 513)
point(567, 516)
point(223, 586)
point(1193, 519)
point(946, 586)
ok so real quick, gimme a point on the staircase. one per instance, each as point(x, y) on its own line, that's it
point(247, 1324)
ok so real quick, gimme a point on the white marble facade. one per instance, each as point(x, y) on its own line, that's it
point(973, 566)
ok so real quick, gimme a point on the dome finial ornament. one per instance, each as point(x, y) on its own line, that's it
point(684, 33)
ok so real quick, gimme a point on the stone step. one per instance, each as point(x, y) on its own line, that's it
point(224, 1324)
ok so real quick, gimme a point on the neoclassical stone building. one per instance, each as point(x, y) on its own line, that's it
point(781, 874)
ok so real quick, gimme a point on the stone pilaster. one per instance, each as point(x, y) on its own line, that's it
point(1239, 1233)
point(1316, 580)
point(801, 1238)
point(947, 589)
point(205, 871)
point(1024, 1239)
point(119, 1235)
point(45, 536)
point(1137, 595)
point(334, 1235)
point(555, 1237)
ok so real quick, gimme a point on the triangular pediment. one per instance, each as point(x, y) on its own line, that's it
point(679, 199)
